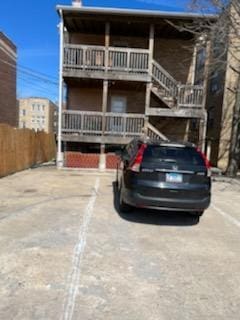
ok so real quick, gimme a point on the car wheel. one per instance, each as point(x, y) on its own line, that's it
point(199, 213)
point(123, 207)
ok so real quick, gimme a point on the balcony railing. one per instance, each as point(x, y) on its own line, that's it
point(100, 58)
point(98, 123)
point(190, 96)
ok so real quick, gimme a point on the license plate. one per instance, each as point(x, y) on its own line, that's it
point(174, 177)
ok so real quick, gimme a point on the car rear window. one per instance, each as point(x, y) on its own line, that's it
point(178, 155)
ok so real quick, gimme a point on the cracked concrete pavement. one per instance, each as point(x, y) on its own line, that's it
point(67, 253)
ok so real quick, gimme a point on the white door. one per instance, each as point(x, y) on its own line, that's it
point(118, 105)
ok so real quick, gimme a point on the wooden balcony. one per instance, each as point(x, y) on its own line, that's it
point(81, 61)
point(106, 63)
point(97, 127)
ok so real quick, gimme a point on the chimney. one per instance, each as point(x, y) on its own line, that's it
point(77, 3)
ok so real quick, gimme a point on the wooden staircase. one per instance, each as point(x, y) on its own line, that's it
point(173, 93)
point(153, 133)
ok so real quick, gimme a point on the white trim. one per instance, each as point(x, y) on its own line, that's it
point(60, 99)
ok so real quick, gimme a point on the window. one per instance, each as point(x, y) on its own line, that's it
point(43, 107)
point(23, 112)
point(38, 107)
point(215, 83)
point(33, 107)
point(171, 154)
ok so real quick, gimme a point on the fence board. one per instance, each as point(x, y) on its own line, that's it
point(22, 148)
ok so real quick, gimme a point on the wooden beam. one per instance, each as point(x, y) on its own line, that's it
point(151, 46)
point(177, 113)
point(115, 75)
point(107, 44)
point(97, 139)
point(104, 104)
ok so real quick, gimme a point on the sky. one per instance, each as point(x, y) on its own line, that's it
point(32, 26)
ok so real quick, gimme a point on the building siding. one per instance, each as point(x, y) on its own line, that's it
point(8, 101)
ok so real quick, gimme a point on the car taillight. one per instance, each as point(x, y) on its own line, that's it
point(135, 166)
point(206, 161)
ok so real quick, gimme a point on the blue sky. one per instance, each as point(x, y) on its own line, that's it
point(32, 25)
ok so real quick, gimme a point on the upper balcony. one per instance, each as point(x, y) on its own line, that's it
point(115, 63)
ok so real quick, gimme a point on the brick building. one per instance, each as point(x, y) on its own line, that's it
point(8, 101)
point(37, 113)
point(127, 72)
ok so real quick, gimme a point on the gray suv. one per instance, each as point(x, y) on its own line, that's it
point(163, 175)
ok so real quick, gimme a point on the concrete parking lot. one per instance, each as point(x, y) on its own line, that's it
point(67, 253)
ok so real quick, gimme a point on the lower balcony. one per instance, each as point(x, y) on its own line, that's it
point(97, 127)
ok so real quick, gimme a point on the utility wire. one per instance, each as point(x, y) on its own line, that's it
point(30, 73)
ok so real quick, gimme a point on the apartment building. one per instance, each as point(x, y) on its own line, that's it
point(223, 85)
point(37, 113)
point(8, 101)
point(127, 73)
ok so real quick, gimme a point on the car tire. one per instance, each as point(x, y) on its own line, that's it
point(123, 206)
point(199, 213)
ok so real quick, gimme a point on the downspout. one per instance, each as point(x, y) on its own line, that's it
point(60, 97)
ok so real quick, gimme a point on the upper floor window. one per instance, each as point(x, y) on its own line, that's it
point(215, 82)
point(201, 58)
point(23, 112)
point(33, 107)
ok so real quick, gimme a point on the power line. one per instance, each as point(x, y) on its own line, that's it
point(30, 73)
point(34, 83)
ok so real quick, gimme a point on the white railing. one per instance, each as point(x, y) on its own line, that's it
point(98, 123)
point(129, 60)
point(126, 124)
point(93, 58)
point(168, 85)
point(154, 134)
point(190, 96)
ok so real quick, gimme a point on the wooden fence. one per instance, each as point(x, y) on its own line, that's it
point(23, 148)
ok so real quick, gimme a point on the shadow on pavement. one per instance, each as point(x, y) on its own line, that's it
point(157, 217)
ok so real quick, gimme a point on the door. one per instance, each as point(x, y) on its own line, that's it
point(118, 105)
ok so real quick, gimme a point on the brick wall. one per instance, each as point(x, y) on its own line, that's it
point(90, 99)
point(8, 102)
point(81, 160)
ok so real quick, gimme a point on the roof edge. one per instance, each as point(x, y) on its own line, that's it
point(138, 12)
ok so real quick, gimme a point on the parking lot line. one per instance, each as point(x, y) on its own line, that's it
point(74, 275)
point(226, 216)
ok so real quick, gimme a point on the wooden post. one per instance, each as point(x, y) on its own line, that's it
point(194, 64)
point(203, 132)
point(151, 47)
point(107, 43)
point(104, 104)
point(149, 84)
point(147, 104)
